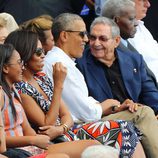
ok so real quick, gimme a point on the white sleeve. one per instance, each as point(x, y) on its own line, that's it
point(75, 95)
point(81, 106)
point(48, 69)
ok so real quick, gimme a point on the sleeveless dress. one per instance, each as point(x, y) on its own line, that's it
point(120, 134)
point(13, 127)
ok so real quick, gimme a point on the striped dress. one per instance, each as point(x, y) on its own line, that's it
point(13, 127)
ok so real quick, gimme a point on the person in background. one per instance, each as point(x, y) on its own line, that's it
point(151, 20)
point(11, 24)
point(42, 26)
point(3, 30)
point(19, 134)
point(98, 6)
point(143, 41)
point(100, 151)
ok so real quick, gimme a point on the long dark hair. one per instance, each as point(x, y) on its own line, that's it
point(25, 42)
point(6, 51)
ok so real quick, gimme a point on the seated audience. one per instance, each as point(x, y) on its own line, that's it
point(42, 26)
point(113, 73)
point(100, 151)
point(37, 90)
point(69, 32)
point(143, 41)
point(19, 134)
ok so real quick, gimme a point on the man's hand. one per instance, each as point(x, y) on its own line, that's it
point(130, 105)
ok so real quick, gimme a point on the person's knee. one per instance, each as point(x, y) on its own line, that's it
point(147, 111)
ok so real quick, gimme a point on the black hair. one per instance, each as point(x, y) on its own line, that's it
point(24, 41)
point(6, 51)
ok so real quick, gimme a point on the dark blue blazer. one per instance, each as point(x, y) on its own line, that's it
point(140, 87)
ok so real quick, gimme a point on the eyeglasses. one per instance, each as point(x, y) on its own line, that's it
point(82, 34)
point(100, 38)
point(19, 62)
point(39, 51)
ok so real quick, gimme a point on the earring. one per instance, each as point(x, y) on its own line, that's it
point(24, 66)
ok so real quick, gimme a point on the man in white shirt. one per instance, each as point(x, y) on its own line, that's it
point(70, 37)
point(143, 41)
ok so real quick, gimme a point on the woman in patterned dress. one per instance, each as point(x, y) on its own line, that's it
point(19, 134)
point(53, 118)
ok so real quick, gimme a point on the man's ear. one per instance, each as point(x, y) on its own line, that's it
point(63, 36)
point(116, 19)
point(117, 41)
point(5, 69)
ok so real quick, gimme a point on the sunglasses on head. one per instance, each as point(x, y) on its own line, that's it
point(39, 51)
point(82, 34)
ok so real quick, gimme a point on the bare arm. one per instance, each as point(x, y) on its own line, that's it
point(42, 141)
point(65, 115)
point(66, 120)
point(50, 117)
point(2, 136)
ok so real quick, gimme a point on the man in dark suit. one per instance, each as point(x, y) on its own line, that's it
point(111, 73)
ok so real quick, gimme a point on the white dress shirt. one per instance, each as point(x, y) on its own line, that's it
point(75, 93)
point(144, 43)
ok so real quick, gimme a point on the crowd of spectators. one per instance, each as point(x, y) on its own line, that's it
point(78, 79)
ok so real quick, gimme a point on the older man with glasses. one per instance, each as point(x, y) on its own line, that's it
point(112, 73)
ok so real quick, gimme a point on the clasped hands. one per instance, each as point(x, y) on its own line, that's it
point(127, 104)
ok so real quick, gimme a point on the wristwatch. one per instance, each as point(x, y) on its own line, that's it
point(114, 108)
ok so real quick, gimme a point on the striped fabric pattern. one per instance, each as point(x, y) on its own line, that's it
point(12, 127)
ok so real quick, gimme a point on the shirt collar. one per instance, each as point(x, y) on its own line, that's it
point(124, 42)
point(64, 55)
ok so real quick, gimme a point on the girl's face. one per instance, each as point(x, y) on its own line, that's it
point(36, 62)
point(13, 69)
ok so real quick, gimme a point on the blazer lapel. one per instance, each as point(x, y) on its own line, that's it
point(127, 71)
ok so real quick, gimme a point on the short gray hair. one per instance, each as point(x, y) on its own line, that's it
point(114, 8)
point(63, 22)
point(115, 31)
point(100, 151)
